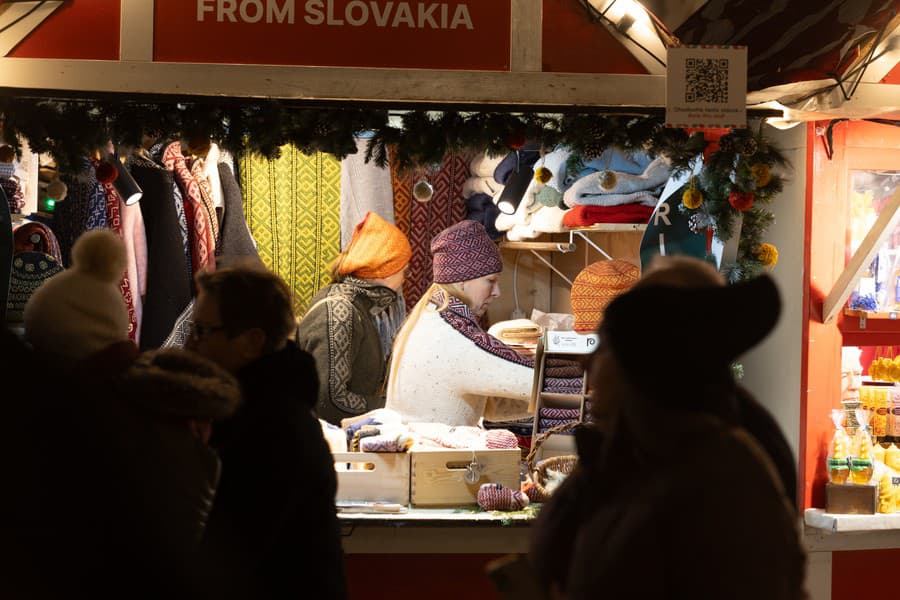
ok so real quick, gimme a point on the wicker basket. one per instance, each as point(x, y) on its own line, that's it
point(538, 471)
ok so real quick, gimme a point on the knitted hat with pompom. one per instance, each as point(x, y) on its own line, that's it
point(81, 311)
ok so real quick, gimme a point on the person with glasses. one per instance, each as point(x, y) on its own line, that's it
point(275, 501)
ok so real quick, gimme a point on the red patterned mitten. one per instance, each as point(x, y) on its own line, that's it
point(496, 496)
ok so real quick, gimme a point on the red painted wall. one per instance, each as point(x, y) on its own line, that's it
point(409, 576)
point(857, 144)
point(572, 43)
point(81, 29)
point(863, 574)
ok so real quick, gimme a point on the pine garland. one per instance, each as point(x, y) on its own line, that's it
point(745, 162)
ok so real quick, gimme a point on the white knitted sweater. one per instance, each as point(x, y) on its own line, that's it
point(445, 377)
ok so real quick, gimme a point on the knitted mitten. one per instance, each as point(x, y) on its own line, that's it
point(496, 496)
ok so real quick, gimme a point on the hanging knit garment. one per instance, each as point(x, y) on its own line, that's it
point(114, 218)
point(83, 210)
point(203, 241)
point(205, 185)
point(364, 187)
point(421, 221)
point(292, 204)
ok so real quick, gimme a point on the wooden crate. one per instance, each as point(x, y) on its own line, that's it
point(851, 499)
point(437, 475)
point(372, 476)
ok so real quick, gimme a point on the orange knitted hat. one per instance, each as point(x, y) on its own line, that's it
point(596, 286)
point(377, 249)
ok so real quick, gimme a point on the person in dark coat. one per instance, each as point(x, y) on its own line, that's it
point(122, 477)
point(675, 495)
point(273, 529)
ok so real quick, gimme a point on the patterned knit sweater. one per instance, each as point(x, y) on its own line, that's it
point(340, 332)
point(452, 371)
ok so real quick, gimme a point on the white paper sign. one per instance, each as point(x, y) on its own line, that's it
point(706, 86)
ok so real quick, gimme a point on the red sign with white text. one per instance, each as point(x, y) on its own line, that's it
point(426, 34)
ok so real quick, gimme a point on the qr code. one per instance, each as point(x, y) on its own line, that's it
point(706, 80)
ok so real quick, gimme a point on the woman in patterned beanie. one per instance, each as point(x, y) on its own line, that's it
point(340, 329)
point(445, 368)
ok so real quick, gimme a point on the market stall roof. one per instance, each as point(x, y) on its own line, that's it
point(811, 62)
point(826, 60)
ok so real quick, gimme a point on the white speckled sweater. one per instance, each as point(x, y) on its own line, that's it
point(445, 376)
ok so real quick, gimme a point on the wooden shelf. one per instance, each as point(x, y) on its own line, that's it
point(892, 315)
point(869, 328)
point(609, 227)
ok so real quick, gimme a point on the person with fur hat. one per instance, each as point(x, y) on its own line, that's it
point(445, 368)
point(127, 442)
point(80, 312)
point(340, 329)
point(158, 473)
point(674, 457)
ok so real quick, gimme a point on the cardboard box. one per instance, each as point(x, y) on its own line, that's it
point(372, 477)
point(851, 499)
point(438, 476)
point(570, 342)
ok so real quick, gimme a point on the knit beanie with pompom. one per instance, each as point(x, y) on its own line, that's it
point(81, 311)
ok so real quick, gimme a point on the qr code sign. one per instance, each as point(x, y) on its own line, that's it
point(706, 80)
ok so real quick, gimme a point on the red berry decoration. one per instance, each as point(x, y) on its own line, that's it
point(741, 200)
point(516, 140)
point(106, 172)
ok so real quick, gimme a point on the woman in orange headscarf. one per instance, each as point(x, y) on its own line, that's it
point(339, 328)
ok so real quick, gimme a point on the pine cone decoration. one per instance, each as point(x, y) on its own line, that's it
point(749, 147)
point(698, 223)
point(593, 145)
point(726, 143)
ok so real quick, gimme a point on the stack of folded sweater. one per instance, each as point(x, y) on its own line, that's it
point(618, 193)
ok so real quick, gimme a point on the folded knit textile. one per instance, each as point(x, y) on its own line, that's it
point(484, 165)
point(481, 208)
point(546, 424)
point(550, 219)
point(560, 413)
point(597, 189)
point(516, 331)
point(445, 436)
point(586, 215)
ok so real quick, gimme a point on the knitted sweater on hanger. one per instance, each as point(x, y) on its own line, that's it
point(168, 273)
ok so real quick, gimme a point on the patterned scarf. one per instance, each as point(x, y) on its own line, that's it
point(114, 219)
point(198, 172)
point(203, 241)
point(560, 375)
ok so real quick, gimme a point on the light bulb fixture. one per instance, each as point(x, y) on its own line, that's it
point(124, 183)
point(635, 23)
point(515, 189)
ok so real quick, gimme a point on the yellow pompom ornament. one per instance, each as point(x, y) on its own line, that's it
point(762, 174)
point(767, 254)
point(692, 198)
point(543, 175)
